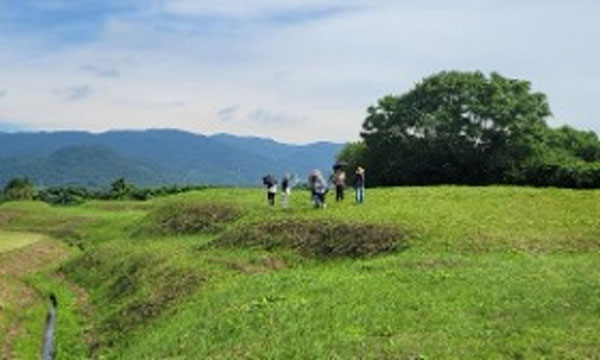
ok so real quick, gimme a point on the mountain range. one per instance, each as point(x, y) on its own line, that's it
point(154, 157)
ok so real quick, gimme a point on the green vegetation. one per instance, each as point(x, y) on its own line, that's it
point(18, 189)
point(70, 337)
point(120, 189)
point(465, 128)
point(440, 272)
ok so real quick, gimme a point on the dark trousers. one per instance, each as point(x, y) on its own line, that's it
point(271, 198)
point(339, 193)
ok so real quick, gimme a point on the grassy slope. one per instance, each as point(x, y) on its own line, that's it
point(494, 272)
point(29, 273)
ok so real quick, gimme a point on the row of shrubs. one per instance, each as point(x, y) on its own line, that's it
point(24, 189)
point(577, 175)
point(75, 195)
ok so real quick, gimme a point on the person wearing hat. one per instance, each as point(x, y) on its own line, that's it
point(359, 185)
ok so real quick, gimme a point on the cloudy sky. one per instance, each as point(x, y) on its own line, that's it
point(294, 70)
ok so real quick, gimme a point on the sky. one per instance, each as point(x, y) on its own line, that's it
point(294, 70)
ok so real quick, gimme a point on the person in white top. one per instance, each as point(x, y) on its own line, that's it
point(286, 189)
point(271, 184)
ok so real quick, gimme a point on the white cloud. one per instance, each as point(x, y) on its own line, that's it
point(298, 80)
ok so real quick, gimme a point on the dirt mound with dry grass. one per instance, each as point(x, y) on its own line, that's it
point(318, 238)
point(31, 258)
point(188, 218)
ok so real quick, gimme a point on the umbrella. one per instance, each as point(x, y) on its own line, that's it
point(269, 180)
point(340, 165)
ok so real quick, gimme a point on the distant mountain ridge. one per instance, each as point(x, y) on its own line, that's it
point(154, 157)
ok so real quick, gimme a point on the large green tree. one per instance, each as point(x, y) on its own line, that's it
point(453, 127)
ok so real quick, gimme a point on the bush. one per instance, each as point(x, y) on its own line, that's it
point(19, 189)
point(63, 195)
point(573, 174)
point(318, 238)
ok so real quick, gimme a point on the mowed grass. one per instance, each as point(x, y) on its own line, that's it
point(420, 306)
point(478, 272)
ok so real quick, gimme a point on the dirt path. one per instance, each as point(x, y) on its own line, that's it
point(15, 294)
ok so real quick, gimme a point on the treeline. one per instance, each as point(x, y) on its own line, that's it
point(120, 189)
point(468, 128)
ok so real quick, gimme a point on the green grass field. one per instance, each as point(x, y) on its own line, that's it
point(414, 273)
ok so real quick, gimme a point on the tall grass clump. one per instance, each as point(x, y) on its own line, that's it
point(318, 238)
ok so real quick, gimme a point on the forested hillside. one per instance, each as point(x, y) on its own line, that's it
point(153, 157)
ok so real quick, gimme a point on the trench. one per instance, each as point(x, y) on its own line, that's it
point(48, 342)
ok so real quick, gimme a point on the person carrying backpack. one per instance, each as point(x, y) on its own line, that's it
point(320, 189)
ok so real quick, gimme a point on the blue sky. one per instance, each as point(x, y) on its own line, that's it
point(294, 70)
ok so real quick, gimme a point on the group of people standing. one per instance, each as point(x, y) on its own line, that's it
point(318, 186)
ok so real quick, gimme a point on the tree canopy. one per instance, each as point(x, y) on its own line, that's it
point(465, 128)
